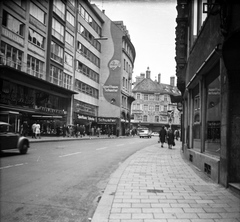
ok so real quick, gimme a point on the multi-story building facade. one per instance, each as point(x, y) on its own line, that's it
point(117, 62)
point(153, 107)
point(53, 65)
point(207, 56)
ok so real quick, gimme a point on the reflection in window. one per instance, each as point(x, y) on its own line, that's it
point(213, 117)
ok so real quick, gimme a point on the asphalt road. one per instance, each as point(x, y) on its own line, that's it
point(61, 181)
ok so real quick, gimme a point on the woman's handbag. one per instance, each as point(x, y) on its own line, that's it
point(174, 143)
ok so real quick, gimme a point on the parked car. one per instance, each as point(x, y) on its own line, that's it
point(144, 133)
point(155, 134)
point(11, 140)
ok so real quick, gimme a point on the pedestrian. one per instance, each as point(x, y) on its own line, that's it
point(64, 130)
point(37, 131)
point(25, 128)
point(98, 131)
point(33, 130)
point(77, 130)
point(162, 136)
point(177, 134)
point(170, 138)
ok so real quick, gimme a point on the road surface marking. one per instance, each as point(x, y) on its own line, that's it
point(70, 154)
point(9, 166)
point(102, 148)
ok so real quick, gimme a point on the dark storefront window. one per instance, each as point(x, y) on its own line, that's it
point(213, 117)
point(196, 128)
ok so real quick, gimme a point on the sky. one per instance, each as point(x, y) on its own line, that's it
point(151, 25)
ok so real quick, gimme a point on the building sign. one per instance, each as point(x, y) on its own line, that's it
point(81, 107)
point(103, 120)
point(114, 64)
point(110, 88)
point(50, 110)
point(84, 117)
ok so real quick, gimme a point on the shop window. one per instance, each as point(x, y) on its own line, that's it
point(145, 118)
point(213, 117)
point(196, 128)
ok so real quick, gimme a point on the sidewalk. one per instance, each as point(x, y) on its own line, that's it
point(157, 185)
point(61, 138)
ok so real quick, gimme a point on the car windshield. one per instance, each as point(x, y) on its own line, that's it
point(6, 128)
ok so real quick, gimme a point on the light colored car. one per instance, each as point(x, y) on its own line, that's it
point(11, 140)
point(155, 134)
point(144, 133)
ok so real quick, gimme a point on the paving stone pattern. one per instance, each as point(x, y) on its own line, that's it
point(157, 185)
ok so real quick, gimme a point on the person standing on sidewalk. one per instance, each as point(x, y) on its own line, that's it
point(170, 138)
point(37, 131)
point(162, 136)
point(33, 130)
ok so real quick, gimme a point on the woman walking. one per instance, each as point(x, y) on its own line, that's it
point(162, 136)
point(170, 138)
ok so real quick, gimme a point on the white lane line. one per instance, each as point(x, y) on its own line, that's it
point(70, 154)
point(102, 148)
point(9, 166)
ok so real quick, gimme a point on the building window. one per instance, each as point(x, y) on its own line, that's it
point(138, 95)
point(67, 81)
point(145, 97)
point(21, 3)
point(56, 52)
point(59, 8)
point(56, 76)
point(157, 109)
point(69, 39)
point(196, 118)
point(165, 97)
point(151, 107)
point(145, 118)
point(87, 72)
point(145, 107)
point(157, 97)
point(11, 56)
point(89, 37)
point(57, 30)
point(37, 13)
point(72, 2)
point(36, 38)
point(68, 59)
point(138, 106)
point(165, 108)
point(86, 89)
point(84, 14)
point(213, 117)
point(70, 18)
point(35, 67)
point(157, 119)
point(151, 97)
point(88, 54)
point(12, 23)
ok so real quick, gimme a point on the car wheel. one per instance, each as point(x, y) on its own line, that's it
point(24, 148)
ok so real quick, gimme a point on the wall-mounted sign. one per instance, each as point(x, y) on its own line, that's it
point(114, 64)
point(110, 88)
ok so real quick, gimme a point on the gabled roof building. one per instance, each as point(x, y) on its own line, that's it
point(153, 107)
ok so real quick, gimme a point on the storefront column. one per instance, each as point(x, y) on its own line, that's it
point(203, 115)
point(190, 119)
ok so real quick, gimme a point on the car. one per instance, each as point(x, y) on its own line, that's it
point(11, 140)
point(144, 133)
point(155, 134)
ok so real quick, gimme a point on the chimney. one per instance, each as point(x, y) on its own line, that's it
point(142, 75)
point(148, 73)
point(172, 80)
point(159, 78)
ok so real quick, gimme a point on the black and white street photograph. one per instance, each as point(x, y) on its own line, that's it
point(119, 111)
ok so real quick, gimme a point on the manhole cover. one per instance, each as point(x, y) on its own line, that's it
point(154, 191)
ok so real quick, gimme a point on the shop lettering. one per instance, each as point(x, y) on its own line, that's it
point(50, 110)
point(106, 120)
point(110, 88)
